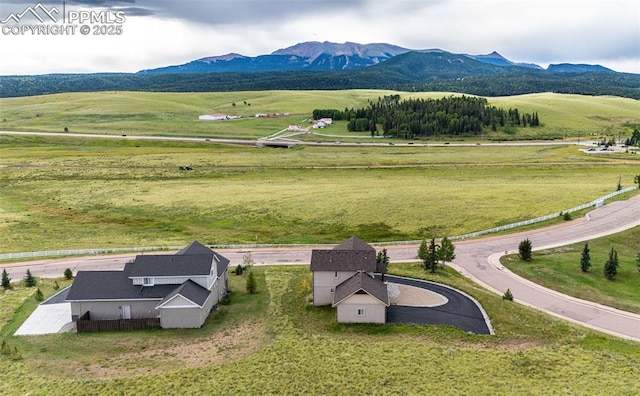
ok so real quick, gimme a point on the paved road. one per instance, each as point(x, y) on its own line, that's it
point(477, 259)
point(378, 142)
point(460, 311)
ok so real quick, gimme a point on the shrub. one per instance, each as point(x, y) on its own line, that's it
point(56, 286)
point(238, 270)
point(524, 250)
point(507, 295)
point(68, 274)
point(252, 285)
point(226, 299)
point(566, 216)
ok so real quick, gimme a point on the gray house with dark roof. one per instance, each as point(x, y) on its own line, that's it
point(343, 278)
point(180, 289)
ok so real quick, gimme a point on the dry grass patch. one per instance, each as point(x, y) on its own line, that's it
point(222, 347)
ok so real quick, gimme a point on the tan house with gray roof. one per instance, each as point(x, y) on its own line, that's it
point(343, 277)
point(179, 289)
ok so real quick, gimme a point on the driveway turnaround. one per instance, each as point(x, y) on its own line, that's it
point(461, 310)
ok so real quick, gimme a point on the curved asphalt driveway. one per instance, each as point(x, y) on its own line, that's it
point(460, 311)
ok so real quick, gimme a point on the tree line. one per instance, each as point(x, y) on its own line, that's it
point(411, 118)
point(524, 82)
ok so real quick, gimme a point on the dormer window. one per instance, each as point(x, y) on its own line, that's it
point(147, 281)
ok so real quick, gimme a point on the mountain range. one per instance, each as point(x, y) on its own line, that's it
point(328, 56)
point(315, 65)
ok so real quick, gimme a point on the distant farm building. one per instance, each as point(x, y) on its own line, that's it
point(296, 128)
point(215, 117)
point(272, 115)
point(323, 122)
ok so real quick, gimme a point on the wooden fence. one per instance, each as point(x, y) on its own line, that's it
point(86, 325)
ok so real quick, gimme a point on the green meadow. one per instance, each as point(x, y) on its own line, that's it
point(176, 114)
point(559, 269)
point(64, 193)
point(72, 193)
point(274, 342)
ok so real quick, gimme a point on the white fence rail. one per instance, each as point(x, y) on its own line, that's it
point(86, 252)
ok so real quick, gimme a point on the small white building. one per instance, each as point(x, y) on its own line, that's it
point(326, 120)
point(214, 117)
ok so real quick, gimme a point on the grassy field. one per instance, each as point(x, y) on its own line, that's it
point(176, 114)
point(275, 343)
point(74, 193)
point(559, 269)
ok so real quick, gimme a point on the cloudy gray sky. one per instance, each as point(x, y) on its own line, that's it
point(158, 33)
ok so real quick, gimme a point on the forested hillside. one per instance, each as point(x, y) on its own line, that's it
point(407, 72)
point(453, 116)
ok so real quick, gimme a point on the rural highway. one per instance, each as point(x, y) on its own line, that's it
point(477, 259)
point(282, 143)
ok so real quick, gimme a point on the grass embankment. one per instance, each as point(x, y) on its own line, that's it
point(559, 269)
point(74, 194)
point(176, 114)
point(275, 343)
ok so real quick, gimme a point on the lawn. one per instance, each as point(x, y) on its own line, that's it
point(559, 269)
point(75, 193)
point(274, 342)
point(176, 114)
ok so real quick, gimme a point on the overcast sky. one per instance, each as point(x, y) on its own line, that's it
point(158, 33)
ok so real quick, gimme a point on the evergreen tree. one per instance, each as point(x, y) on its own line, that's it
point(585, 261)
point(68, 274)
point(382, 260)
point(524, 250)
point(39, 296)
point(6, 281)
point(423, 253)
point(446, 251)
point(29, 280)
point(611, 266)
point(432, 257)
point(252, 285)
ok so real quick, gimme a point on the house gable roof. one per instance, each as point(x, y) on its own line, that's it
point(351, 255)
point(171, 265)
point(191, 291)
point(354, 243)
point(112, 285)
point(361, 282)
point(343, 260)
point(223, 263)
point(195, 247)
